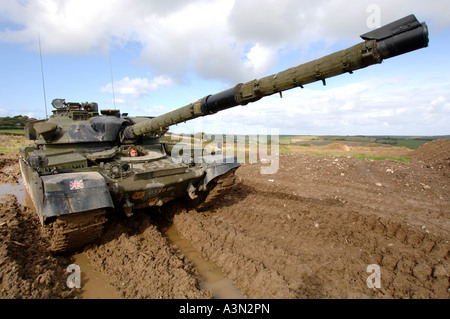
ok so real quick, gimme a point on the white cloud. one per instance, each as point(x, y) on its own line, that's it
point(211, 38)
point(153, 110)
point(260, 59)
point(137, 87)
point(268, 22)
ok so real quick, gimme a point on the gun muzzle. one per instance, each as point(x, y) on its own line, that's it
point(401, 36)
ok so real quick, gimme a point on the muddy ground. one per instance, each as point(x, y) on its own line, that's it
point(309, 231)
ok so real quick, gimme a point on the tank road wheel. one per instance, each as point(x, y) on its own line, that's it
point(217, 187)
point(73, 231)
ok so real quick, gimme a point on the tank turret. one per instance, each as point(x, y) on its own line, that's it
point(86, 164)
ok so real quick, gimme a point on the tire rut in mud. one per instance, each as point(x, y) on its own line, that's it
point(140, 262)
point(275, 243)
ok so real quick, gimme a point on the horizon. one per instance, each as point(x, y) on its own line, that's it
point(443, 136)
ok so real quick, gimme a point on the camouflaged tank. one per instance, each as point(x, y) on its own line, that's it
point(79, 169)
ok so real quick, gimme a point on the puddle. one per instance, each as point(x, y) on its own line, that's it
point(93, 284)
point(211, 275)
point(16, 190)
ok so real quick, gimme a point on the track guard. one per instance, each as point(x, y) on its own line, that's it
point(217, 165)
point(74, 192)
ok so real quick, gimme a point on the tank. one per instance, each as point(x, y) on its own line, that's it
point(79, 168)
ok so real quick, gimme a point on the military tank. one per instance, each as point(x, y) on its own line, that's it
point(79, 168)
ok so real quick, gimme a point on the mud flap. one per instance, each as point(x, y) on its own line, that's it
point(74, 192)
point(217, 165)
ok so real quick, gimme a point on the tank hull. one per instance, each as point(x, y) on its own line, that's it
point(72, 206)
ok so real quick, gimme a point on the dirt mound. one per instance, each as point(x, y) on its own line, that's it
point(435, 154)
point(9, 170)
point(27, 270)
point(337, 146)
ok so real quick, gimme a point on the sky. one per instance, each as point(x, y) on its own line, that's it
point(149, 57)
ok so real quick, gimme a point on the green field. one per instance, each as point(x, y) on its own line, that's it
point(403, 159)
point(10, 144)
point(12, 131)
point(411, 142)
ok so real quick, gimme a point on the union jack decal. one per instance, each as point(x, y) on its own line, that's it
point(76, 185)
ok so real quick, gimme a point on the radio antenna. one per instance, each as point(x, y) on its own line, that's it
point(42, 71)
point(112, 81)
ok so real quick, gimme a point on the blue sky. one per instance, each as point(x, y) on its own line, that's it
point(166, 54)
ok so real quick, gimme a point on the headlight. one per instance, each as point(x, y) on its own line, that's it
point(114, 171)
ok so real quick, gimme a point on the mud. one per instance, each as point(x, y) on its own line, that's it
point(309, 231)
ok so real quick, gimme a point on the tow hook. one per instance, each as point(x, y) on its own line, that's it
point(191, 191)
point(128, 208)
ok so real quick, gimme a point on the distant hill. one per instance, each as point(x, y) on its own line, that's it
point(16, 122)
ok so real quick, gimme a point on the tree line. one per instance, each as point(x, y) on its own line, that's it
point(17, 121)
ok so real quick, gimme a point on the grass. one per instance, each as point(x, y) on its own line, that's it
point(402, 159)
point(12, 131)
point(10, 144)
point(412, 144)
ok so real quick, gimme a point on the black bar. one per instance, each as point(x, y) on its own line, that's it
point(398, 37)
point(219, 101)
point(404, 42)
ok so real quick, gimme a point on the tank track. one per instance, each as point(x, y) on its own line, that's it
point(73, 231)
point(218, 187)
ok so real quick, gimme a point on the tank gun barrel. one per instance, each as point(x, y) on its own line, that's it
point(399, 37)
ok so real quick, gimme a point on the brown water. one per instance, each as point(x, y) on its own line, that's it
point(93, 283)
point(211, 277)
point(16, 190)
